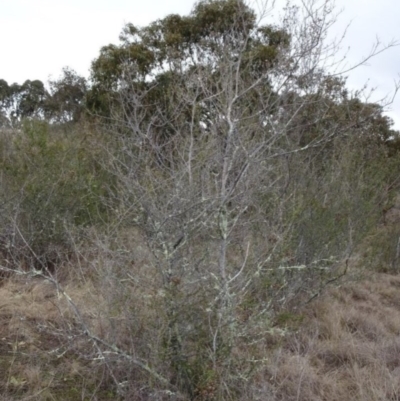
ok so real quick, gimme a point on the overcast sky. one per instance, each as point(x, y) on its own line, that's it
point(39, 37)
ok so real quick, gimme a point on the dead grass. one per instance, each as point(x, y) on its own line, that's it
point(344, 345)
point(348, 347)
point(35, 362)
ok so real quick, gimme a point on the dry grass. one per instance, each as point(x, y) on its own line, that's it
point(36, 363)
point(344, 345)
point(348, 347)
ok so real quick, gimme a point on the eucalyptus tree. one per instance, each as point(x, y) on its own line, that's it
point(67, 97)
point(22, 101)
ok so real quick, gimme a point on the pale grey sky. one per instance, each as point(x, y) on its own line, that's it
point(372, 19)
point(40, 37)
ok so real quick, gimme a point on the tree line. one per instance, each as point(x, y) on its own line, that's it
point(60, 100)
point(175, 52)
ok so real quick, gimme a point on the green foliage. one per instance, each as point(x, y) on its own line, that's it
point(341, 205)
point(67, 97)
point(23, 101)
point(177, 46)
point(381, 250)
point(63, 101)
point(54, 181)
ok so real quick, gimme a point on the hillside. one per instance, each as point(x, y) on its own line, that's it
point(212, 216)
point(342, 346)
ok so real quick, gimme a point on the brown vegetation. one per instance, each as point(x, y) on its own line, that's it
point(343, 346)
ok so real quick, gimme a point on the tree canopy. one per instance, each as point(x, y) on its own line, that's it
point(61, 100)
point(277, 70)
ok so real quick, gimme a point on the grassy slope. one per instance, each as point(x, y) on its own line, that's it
point(345, 346)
